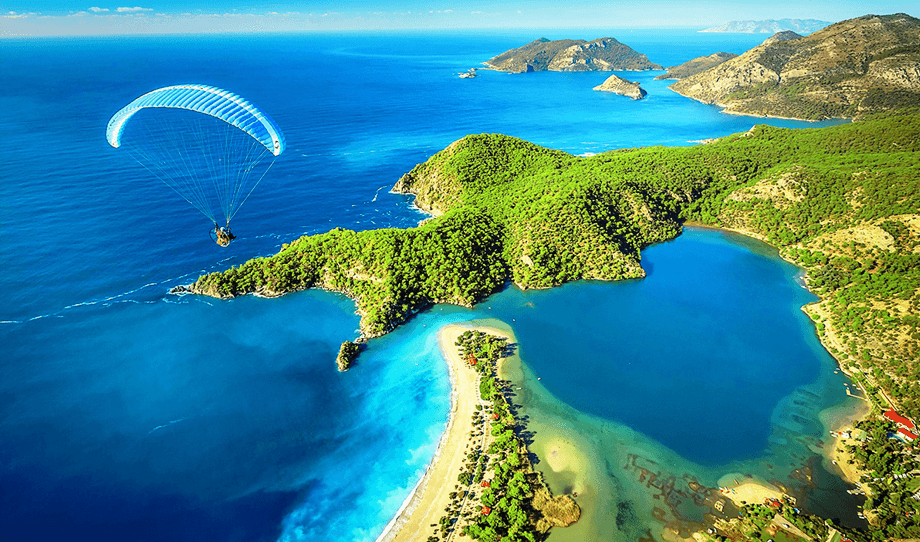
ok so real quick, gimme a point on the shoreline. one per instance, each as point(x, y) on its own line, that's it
point(724, 109)
point(836, 458)
point(838, 420)
point(425, 504)
point(743, 489)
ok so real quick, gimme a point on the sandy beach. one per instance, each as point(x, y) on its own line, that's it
point(418, 518)
point(743, 489)
point(841, 419)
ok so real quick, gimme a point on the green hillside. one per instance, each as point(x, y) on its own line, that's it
point(843, 202)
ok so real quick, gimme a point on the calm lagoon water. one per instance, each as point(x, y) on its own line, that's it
point(706, 370)
point(128, 413)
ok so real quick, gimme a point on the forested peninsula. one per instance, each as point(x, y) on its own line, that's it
point(842, 201)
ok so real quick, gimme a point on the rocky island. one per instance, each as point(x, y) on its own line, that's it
point(602, 54)
point(854, 67)
point(347, 354)
point(618, 85)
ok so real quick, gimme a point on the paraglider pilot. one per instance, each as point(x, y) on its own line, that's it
point(224, 235)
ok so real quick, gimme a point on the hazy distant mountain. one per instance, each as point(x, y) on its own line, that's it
point(771, 26)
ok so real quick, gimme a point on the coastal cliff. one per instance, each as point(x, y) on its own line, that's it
point(695, 66)
point(851, 68)
point(602, 54)
point(618, 85)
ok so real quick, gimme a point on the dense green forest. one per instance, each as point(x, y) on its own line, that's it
point(842, 201)
point(890, 480)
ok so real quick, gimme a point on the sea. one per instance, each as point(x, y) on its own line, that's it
point(129, 413)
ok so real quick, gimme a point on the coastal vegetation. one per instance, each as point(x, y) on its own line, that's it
point(777, 519)
point(499, 495)
point(347, 354)
point(840, 201)
point(890, 480)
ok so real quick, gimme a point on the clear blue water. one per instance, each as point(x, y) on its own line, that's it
point(127, 413)
point(715, 327)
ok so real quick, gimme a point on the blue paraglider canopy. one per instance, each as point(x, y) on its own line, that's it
point(213, 101)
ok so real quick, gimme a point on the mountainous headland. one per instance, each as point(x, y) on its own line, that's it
point(618, 85)
point(782, 36)
point(851, 68)
point(695, 66)
point(602, 54)
point(770, 26)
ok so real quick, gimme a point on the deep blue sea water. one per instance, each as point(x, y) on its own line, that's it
point(128, 413)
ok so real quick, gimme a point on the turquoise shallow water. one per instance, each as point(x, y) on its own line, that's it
point(128, 413)
point(705, 369)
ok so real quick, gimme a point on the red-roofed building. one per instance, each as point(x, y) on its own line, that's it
point(900, 420)
point(906, 435)
point(486, 510)
point(485, 483)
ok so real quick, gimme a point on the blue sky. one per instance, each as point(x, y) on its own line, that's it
point(101, 17)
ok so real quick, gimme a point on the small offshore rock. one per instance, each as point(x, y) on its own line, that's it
point(621, 86)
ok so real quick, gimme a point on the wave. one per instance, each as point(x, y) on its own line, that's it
point(378, 193)
point(165, 425)
point(128, 296)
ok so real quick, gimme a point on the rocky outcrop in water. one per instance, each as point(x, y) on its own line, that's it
point(621, 86)
point(603, 54)
point(871, 63)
